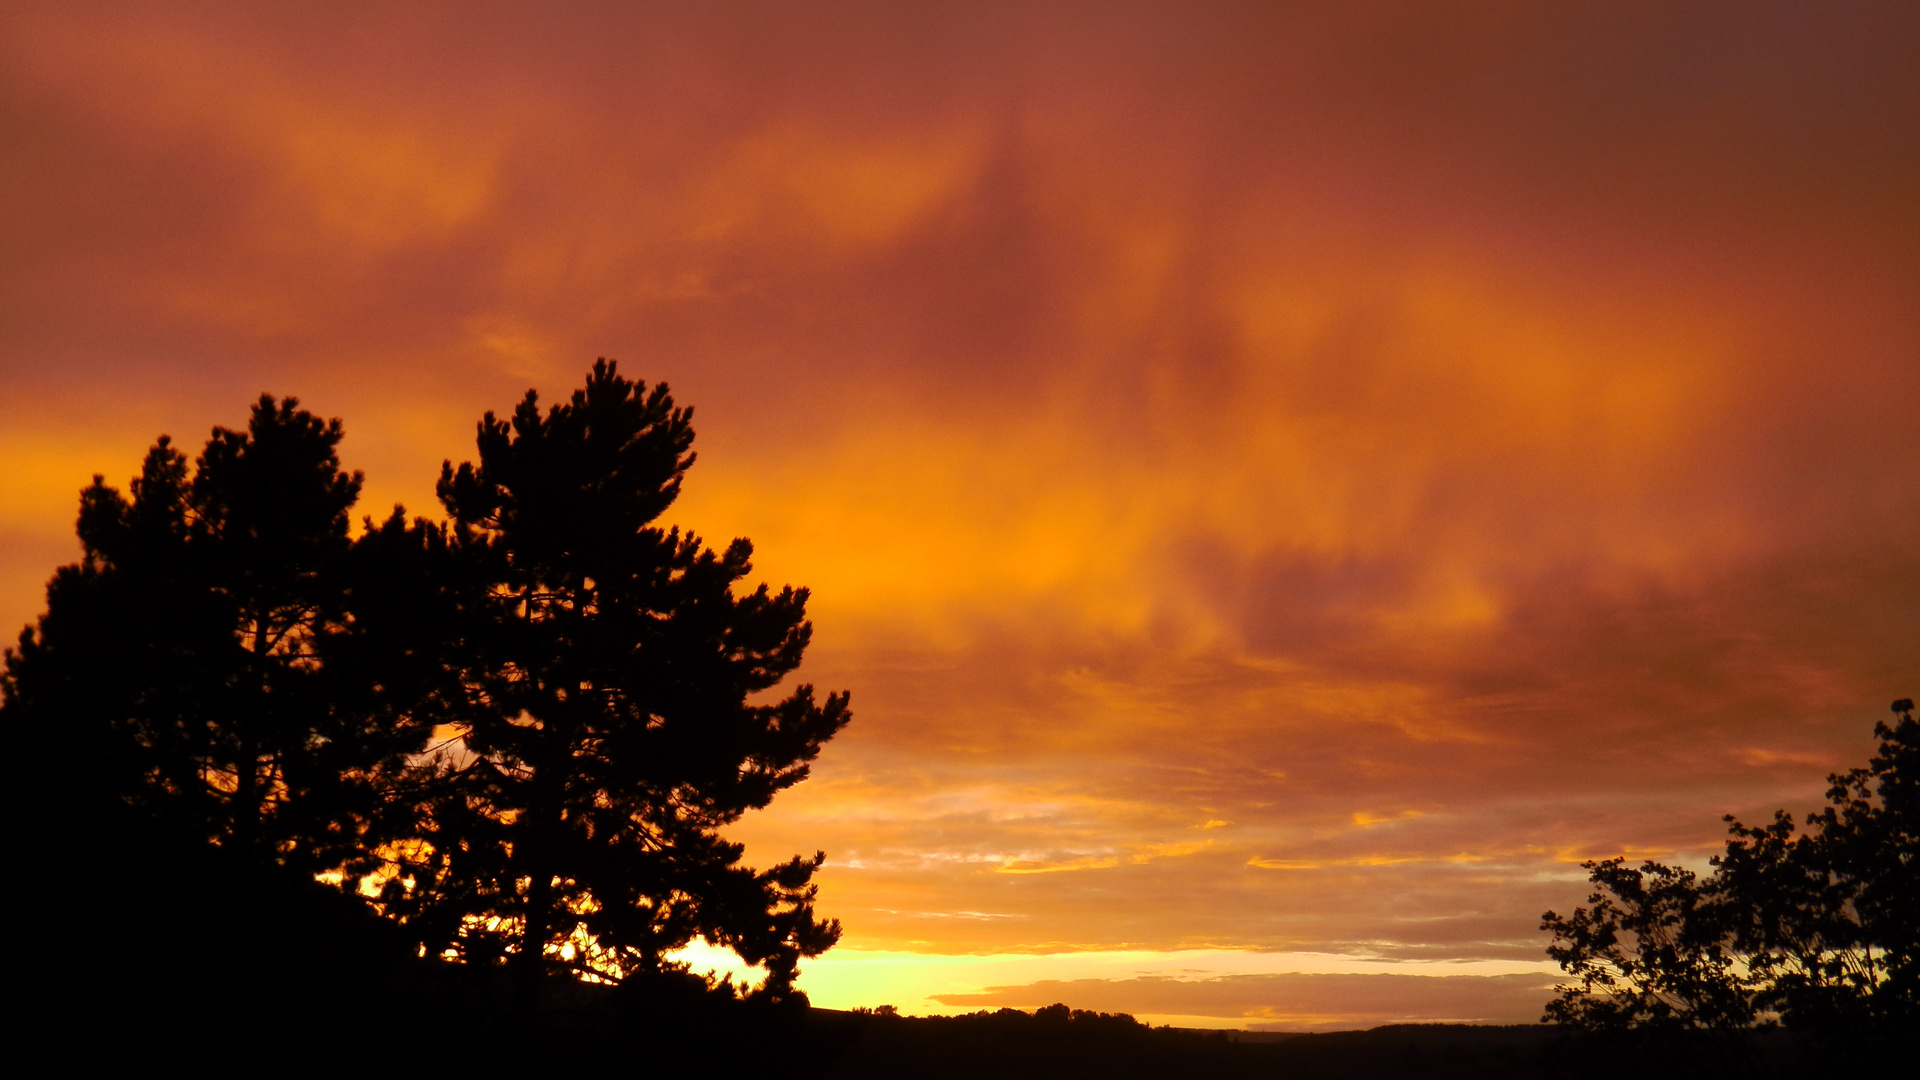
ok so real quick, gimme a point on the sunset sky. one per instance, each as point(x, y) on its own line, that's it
point(1283, 483)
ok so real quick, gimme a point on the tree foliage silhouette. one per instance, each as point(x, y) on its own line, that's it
point(1829, 919)
point(1816, 928)
point(228, 669)
point(610, 727)
point(1652, 952)
point(197, 663)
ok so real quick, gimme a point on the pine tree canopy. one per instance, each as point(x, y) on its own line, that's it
point(183, 665)
point(518, 733)
point(612, 726)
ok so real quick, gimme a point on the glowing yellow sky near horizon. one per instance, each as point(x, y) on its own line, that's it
point(1242, 981)
point(1277, 483)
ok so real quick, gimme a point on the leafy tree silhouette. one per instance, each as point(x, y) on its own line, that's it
point(1829, 919)
point(610, 726)
point(186, 665)
point(1817, 930)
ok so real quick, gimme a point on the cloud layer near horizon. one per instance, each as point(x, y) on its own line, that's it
point(1271, 480)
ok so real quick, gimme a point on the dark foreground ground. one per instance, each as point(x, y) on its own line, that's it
point(121, 955)
point(1090, 1045)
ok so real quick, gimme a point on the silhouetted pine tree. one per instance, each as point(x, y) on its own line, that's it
point(608, 733)
point(203, 662)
